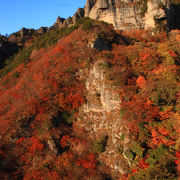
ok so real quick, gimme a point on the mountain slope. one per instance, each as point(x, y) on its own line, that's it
point(90, 102)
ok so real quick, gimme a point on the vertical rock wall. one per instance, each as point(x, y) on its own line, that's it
point(128, 14)
point(100, 117)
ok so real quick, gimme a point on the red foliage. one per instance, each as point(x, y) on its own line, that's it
point(134, 170)
point(65, 141)
point(138, 109)
point(144, 56)
point(35, 175)
point(173, 54)
point(177, 157)
point(42, 115)
point(89, 163)
point(53, 85)
point(36, 145)
point(71, 99)
point(142, 164)
point(149, 60)
point(10, 74)
point(134, 33)
point(74, 98)
point(163, 131)
point(20, 140)
point(53, 175)
point(126, 176)
point(58, 49)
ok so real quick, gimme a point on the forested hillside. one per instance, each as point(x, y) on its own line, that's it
point(43, 92)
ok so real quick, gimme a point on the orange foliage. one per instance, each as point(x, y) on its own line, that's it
point(165, 114)
point(134, 33)
point(158, 138)
point(141, 82)
point(48, 84)
point(137, 109)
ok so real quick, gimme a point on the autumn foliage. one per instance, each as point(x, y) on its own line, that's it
point(40, 101)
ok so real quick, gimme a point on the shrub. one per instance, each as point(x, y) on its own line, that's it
point(130, 155)
point(136, 149)
point(51, 37)
point(87, 25)
point(21, 57)
point(99, 146)
point(163, 90)
point(143, 8)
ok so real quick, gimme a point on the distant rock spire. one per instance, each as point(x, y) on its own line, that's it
point(79, 13)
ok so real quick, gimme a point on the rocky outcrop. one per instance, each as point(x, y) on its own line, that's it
point(79, 13)
point(59, 22)
point(89, 5)
point(125, 14)
point(100, 117)
point(26, 32)
point(68, 22)
point(42, 30)
point(158, 14)
point(128, 14)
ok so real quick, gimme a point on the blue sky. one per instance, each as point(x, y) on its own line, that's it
point(15, 14)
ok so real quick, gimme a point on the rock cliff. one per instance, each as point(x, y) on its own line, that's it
point(128, 14)
point(100, 118)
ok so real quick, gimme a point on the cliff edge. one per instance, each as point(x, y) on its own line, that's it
point(128, 14)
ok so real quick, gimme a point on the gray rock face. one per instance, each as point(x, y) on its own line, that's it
point(61, 22)
point(157, 11)
point(88, 7)
point(125, 14)
point(128, 14)
point(100, 117)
